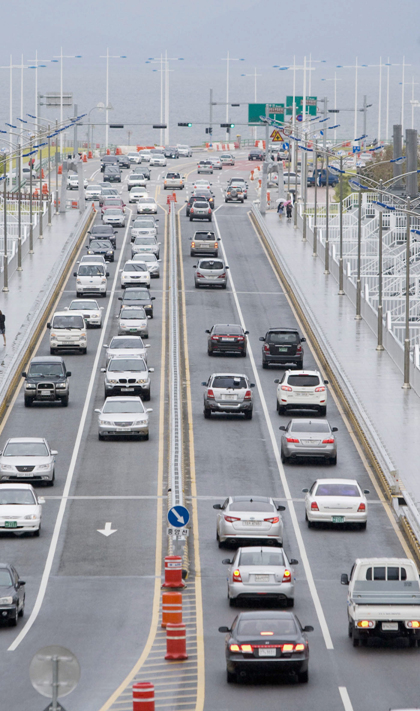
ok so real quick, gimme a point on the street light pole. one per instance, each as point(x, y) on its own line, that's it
point(314, 252)
point(49, 175)
point(19, 254)
point(359, 259)
point(229, 59)
point(5, 255)
point(56, 172)
point(380, 346)
point(406, 384)
point(340, 261)
point(41, 231)
point(31, 227)
point(327, 215)
point(305, 165)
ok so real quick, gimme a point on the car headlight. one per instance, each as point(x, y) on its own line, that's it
point(6, 600)
point(95, 315)
point(142, 380)
point(103, 280)
point(78, 281)
point(61, 385)
point(30, 386)
point(143, 421)
point(7, 467)
point(30, 517)
point(113, 381)
point(83, 337)
point(43, 467)
point(102, 422)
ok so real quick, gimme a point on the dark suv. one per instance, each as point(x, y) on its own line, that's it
point(47, 381)
point(256, 154)
point(282, 346)
point(138, 296)
point(100, 231)
point(108, 160)
point(112, 174)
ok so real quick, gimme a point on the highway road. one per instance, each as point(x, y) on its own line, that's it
point(97, 595)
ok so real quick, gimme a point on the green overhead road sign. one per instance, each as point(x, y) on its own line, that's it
point(276, 111)
point(311, 103)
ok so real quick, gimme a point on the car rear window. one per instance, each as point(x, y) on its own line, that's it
point(102, 229)
point(255, 627)
point(139, 267)
point(145, 240)
point(173, 175)
point(250, 506)
point(97, 244)
point(303, 381)
point(339, 489)
point(261, 557)
point(389, 572)
point(200, 204)
point(228, 381)
point(204, 235)
point(225, 330)
point(121, 342)
point(310, 427)
point(209, 264)
point(281, 337)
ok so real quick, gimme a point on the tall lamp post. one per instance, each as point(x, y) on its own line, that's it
point(229, 59)
point(108, 56)
point(254, 75)
point(59, 58)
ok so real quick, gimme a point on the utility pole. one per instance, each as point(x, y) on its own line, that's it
point(5, 255)
point(19, 253)
point(211, 116)
point(263, 196)
point(75, 151)
point(325, 112)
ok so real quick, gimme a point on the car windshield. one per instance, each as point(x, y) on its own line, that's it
point(91, 270)
point(146, 201)
point(68, 322)
point(5, 579)
point(123, 406)
point(310, 427)
point(228, 381)
point(129, 314)
point(16, 496)
point(210, 264)
point(121, 342)
point(144, 240)
point(261, 557)
point(282, 337)
point(139, 267)
point(100, 244)
point(228, 330)
point(119, 365)
point(338, 489)
point(113, 212)
point(102, 229)
point(45, 370)
point(254, 627)
point(84, 306)
point(303, 381)
point(25, 449)
point(250, 506)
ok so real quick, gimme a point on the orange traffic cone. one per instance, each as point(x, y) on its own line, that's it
point(84, 158)
point(108, 152)
point(118, 151)
point(174, 197)
point(45, 189)
point(60, 170)
point(42, 173)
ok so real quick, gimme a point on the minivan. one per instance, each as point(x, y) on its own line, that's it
point(91, 279)
point(68, 332)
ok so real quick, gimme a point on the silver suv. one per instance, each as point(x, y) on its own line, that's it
point(228, 392)
point(210, 272)
point(128, 375)
point(204, 243)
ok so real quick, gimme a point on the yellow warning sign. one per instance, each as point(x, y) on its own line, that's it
point(276, 136)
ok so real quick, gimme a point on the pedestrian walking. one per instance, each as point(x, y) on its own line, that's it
point(280, 209)
point(289, 210)
point(3, 326)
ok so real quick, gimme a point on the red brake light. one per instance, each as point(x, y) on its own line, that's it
point(248, 395)
point(288, 648)
point(299, 647)
point(321, 389)
point(314, 506)
point(240, 338)
point(199, 274)
point(328, 441)
point(234, 648)
point(362, 507)
point(192, 244)
point(215, 338)
point(231, 519)
point(237, 576)
point(286, 387)
point(266, 634)
point(191, 209)
point(413, 624)
point(291, 439)
point(274, 519)
point(210, 394)
point(266, 348)
point(216, 246)
point(209, 210)
point(247, 648)
point(287, 576)
point(299, 349)
point(222, 276)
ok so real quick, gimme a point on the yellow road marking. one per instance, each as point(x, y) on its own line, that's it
point(349, 429)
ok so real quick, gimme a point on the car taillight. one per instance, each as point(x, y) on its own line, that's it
point(274, 519)
point(222, 276)
point(210, 394)
point(231, 519)
point(314, 506)
point(191, 209)
point(248, 395)
point(247, 648)
point(192, 244)
point(288, 648)
point(291, 439)
point(321, 389)
point(209, 210)
point(287, 576)
point(216, 246)
point(234, 648)
point(286, 387)
point(299, 647)
point(299, 349)
point(199, 274)
point(215, 338)
point(412, 624)
point(240, 338)
point(266, 348)
point(328, 441)
point(366, 623)
point(236, 576)
point(362, 507)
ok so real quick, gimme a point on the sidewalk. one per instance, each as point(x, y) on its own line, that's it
point(394, 412)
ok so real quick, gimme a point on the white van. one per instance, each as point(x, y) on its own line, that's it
point(91, 279)
point(68, 332)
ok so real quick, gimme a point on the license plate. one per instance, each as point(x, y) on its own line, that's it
point(122, 429)
point(25, 474)
point(251, 523)
point(128, 390)
point(390, 626)
point(132, 329)
point(229, 340)
point(338, 519)
point(282, 349)
point(10, 524)
point(45, 393)
point(311, 442)
point(229, 397)
point(267, 652)
point(262, 578)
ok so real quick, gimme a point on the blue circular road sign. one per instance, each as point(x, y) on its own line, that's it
point(178, 516)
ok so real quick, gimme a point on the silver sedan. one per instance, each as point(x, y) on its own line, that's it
point(261, 573)
point(246, 518)
point(28, 459)
point(308, 438)
point(210, 272)
point(122, 346)
point(123, 416)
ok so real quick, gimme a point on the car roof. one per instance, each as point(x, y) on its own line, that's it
point(17, 486)
point(122, 398)
point(337, 481)
point(47, 359)
point(25, 439)
point(125, 337)
point(131, 261)
point(249, 499)
point(267, 615)
point(66, 313)
point(230, 375)
point(5, 566)
point(282, 329)
point(303, 372)
point(309, 421)
point(219, 325)
point(131, 289)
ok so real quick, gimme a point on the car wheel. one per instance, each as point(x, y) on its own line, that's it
point(226, 200)
point(224, 286)
point(230, 677)
point(310, 523)
point(248, 414)
point(22, 609)
point(265, 364)
point(14, 620)
point(303, 677)
point(37, 533)
point(207, 413)
point(333, 460)
point(281, 410)
point(299, 365)
point(101, 437)
point(232, 602)
point(146, 436)
point(192, 254)
point(243, 353)
point(65, 401)
point(52, 351)
point(147, 396)
point(290, 602)
point(52, 480)
point(83, 351)
point(209, 352)
point(363, 525)
point(322, 411)
point(191, 219)
point(350, 630)
point(283, 458)
point(356, 641)
point(28, 402)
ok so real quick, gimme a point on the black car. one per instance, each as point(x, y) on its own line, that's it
point(112, 174)
point(124, 162)
point(108, 160)
point(171, 152)
point(100, 231)
point(138, 296)
point(103, 247)
point(256, 154)
point(282, 346)
point(46, 381)
point(227, 338)
point(206, 195)
point(145, 170)
point(266, 642)
point(11, 588)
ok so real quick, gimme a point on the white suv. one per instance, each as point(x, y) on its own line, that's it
point(302, 390)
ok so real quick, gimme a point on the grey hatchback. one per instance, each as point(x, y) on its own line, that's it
point(282, 346)
point(210, 272)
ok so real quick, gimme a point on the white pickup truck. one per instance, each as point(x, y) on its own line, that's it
point(383, 599)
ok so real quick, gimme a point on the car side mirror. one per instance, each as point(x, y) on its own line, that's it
point(120, 298)
point(207, 330)
point(97, 410)
point(224, 629)
point(21, 583)
point(54, 452)
point(68, 374)
point(23, 374)
point(308, 628)
point(88, 232)
point(194, 266)
point(107, 274)
point(252, 385)
point(153, 298)
point(281, 508)
point(261, 338)
point(218, 239)
point(227, 561)
point(246, 333)
point(149, 316)
point(75, 274)
point(48, 325)
point(147, 345)
point(305, 491)
point(303, 340)
point(103, 370)
point(218, 507)
point(344, 579)
point(204, 383)
point(105, 345)
point(41, 500)
point(121, 270)
point(227, 267)
point(366, 491)
point(149, 409)
point(293, 561)
point(276, 380)
point(326, 382)
point(151, 370)
point(334, 429)
point(282, 427)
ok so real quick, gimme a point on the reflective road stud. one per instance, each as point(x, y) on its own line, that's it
point(171, 608)
point(176, 642)
point(173, 572)
point(144, 696)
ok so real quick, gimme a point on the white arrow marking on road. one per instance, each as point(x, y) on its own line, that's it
point(108, 530)
point(180, 518)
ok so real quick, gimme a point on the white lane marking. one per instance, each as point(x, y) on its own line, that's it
point(107, 530)
point(345, 698)
point(61, 511)
point(283, 479)
point(93, 174)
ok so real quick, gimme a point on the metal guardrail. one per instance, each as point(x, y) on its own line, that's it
point(402, 501)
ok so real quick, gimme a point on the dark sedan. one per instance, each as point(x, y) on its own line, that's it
point(138, 296)
point(12, 594)
point(206, 195)
point(264, 643)
point(112, 174)
point(124, 162)
point(227, 338)
point(256, 154)
point(108, 160)
point(171, 152)
point(99, 231)
point(103, 247)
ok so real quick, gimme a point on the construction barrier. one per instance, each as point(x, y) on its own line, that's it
point(74, 204)
point(45, 189)
point(143, 696)
point(173, 572)
point(251, 177)
point(221, 146)
point(174, 197)
point(171, 608)
point(176, 642)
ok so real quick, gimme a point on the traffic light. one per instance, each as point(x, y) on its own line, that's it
point(185, 124)
point(159, 125)
point(209, 130)
point(227, 125)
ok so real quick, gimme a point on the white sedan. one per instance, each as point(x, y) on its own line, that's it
point(93, 192)
point(157, 160)
point(201, 185)
point(147, 206)
point(136, 194)
point(152, 262)
point(133, 273)
point(90, 308)
point(20, 509)
point(123, 416)
point(336, 501)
